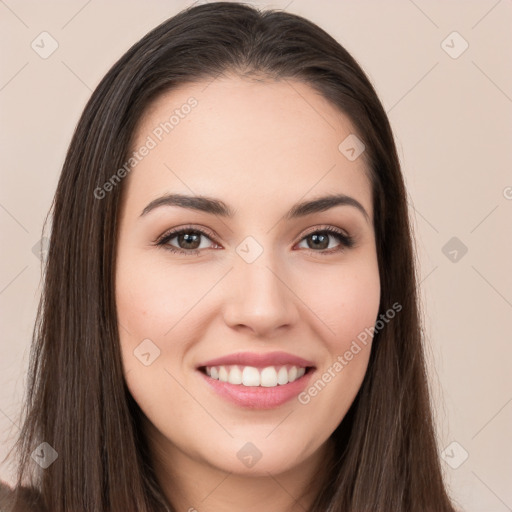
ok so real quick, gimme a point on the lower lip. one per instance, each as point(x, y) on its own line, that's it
point(258, 397)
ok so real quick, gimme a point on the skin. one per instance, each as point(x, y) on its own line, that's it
point(259, 146)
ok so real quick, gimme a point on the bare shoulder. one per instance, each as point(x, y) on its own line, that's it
point(30, 499)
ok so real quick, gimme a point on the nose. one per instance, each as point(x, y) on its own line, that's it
point(261, 298)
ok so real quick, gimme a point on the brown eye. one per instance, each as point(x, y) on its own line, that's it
point(189, 240)
point(318, 241)
point(186, 241)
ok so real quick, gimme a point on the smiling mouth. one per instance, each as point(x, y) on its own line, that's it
point(250, 376)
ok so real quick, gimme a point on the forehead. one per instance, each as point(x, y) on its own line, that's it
point(242, 140)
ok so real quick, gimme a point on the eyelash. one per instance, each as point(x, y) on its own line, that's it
point(347, 241)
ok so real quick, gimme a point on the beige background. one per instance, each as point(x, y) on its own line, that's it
point(452, 119)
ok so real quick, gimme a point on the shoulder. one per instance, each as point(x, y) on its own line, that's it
point(30, 499)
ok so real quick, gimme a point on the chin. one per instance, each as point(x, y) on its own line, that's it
point(259, 457)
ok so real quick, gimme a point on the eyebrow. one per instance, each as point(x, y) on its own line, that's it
point(219, 207)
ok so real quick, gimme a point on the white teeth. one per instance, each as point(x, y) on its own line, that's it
point(250, 376)
point(282, 375)
point(235, 375)
point(223, 374)
point(268, 377)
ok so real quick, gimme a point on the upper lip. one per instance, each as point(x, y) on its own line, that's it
point(258, 360)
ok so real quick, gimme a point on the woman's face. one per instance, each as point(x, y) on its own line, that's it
point(258, 292)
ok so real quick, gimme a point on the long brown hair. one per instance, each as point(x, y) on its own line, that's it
point(386, 457)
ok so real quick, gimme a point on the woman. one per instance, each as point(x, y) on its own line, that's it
point(230, 317)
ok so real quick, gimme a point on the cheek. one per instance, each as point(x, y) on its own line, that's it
point(152, 298)
point(345, 299)
point(151, 312)
point(147, 309)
